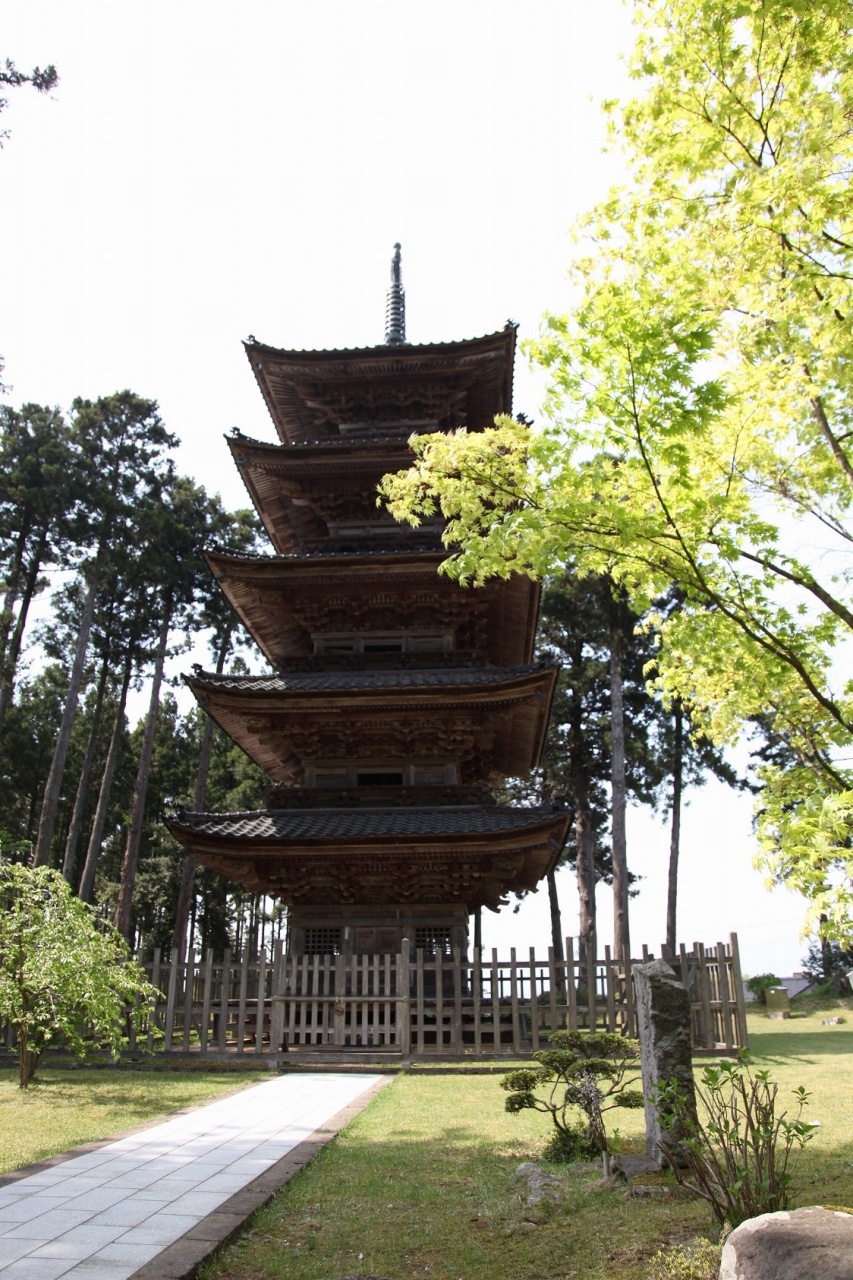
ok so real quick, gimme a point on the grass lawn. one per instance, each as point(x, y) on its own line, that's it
point(421, 1183)
point(64, 1107)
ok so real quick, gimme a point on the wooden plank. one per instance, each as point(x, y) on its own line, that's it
point(224, 993)
point(206, 999)
point(630, 1007)
point(496, 1006)
point(684, 967)
point(276, 1005)
point(419, 1045)
point(365, 1004)
point(683, 973)
point(708, 1029)
point(328, 975)
point(155, 999)
point(477, 986)
point(403, 1013)
point(646, 956)
point(725, 996)
point(376, 1005)
point(457, 1039)
point(571, 989)
point(438, 969)
point(132, 1009)
point(170, 1003)
point(552, 990)
point(290, 978)
point(610, 988)
point(189, 978)
point(315, 1004)
point(241, 1007)
point(591, 994)
point(261, 1007)
point(513, 995)
point(740, 999)
point(534, 1003)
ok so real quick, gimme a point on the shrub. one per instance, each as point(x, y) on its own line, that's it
point(589, 1071)
point(739, 1156)
point(567, 1146)
point(686, 1262)
point(65, 976)
point(761, 984)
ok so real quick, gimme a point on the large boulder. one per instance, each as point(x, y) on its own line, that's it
point(799, 1244)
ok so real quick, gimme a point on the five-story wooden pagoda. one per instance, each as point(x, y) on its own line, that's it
point(399, 698)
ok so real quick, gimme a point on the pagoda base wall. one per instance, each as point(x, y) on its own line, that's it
point(375, 930)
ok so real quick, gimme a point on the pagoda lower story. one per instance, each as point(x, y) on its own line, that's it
point(398, 701)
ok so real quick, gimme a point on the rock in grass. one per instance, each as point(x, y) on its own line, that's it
point(526, 1169)
point(790, 1246)
point(633, 1166)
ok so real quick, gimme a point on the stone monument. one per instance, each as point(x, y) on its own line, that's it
point(663, 1024)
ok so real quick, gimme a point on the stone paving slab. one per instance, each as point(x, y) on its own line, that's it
point(154, 1204)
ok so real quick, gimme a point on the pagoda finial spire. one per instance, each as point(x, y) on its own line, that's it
point(395, 304)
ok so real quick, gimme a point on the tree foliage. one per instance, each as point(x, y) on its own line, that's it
point(66, 979)
point(591, 1072)
point(701, 402)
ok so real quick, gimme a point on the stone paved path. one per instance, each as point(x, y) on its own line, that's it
point(102, 1215)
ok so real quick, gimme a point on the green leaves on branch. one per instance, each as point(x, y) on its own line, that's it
point(741, 1155)
point(66, 978)
point(700, 411)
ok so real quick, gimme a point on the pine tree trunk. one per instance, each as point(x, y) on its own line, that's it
point(182, 912)
point(586, 877)
point(140, 791)
point(85, 773)
point(50, 804)
point(13, 586)
point(556, 921)
point(556, 918)
point(13, 652)
point(675, 825)
point(621, 928)
point(87, 880)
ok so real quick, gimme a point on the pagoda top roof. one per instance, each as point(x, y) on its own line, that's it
point(401, 388)
point(384, 350)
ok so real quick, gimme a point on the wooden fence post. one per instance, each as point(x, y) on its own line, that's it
point(170, 1002)
point(276, 1000)
point(740, 999)
point(206, 998)
point(224, 994)
point(403, 1016)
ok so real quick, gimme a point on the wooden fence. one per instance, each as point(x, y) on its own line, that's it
point(423, 1005)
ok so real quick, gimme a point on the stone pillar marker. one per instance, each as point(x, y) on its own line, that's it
point(663, 1024)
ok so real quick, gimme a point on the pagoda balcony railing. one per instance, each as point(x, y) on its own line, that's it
point(418, 1004)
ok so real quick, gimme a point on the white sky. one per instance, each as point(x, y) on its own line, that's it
point(206, 171)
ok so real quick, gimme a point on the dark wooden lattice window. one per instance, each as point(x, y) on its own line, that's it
point(430, 939)
point(322, 941)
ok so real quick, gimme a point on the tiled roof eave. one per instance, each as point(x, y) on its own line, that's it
point(331, 828)
point(404, 681)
